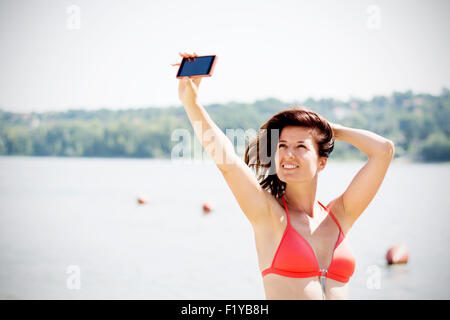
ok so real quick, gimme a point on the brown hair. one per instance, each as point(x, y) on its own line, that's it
point(260, 153)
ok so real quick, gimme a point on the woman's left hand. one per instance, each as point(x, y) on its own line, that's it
point(335, 127)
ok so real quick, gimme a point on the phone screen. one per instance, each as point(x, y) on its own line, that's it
point(198, 66)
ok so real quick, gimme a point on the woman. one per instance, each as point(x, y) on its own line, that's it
point(301, 244)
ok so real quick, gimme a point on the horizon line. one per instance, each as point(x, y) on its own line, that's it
point(116, 108)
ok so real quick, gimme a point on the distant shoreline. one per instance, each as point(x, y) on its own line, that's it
point(418, 124)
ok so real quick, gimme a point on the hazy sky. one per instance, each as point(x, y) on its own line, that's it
point(89, 54)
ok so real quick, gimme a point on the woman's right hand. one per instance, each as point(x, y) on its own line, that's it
point(188, 87)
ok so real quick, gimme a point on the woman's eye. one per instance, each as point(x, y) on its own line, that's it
point(299, 146)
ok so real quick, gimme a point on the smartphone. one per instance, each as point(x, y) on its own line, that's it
point(201, 66)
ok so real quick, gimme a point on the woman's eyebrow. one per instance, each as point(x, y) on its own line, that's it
point(301, 141)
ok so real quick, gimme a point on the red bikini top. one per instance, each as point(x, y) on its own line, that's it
point(295, 257)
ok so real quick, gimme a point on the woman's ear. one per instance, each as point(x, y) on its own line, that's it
point(322, 163)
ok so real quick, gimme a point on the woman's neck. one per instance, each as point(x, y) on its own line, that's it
point(302, 197)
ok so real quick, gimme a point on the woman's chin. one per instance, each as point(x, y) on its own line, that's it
point(289, 178)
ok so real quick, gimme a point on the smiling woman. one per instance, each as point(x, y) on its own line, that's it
point(301, 244)
point(301, 152)
point(313, 133)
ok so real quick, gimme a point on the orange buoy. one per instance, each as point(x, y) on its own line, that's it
point(142, 199)
point(397, 254)
point(207, 207)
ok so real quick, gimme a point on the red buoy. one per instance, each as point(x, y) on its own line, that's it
point(397, 254)
point(207, 207)
point(142, 199)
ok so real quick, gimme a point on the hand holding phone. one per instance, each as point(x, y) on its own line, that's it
point(190, 74)
point(196, 66)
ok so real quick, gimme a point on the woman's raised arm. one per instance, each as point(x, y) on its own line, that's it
point(252, 199)
point(367, 181)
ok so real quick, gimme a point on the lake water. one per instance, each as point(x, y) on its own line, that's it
point(71, 228)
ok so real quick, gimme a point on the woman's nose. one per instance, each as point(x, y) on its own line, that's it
point(289, 152)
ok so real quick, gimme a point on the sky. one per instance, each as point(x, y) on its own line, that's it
point(93, 54)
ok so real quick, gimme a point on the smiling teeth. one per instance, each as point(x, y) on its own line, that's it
point(289, 166)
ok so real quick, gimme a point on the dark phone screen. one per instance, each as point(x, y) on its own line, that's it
point(200, 65)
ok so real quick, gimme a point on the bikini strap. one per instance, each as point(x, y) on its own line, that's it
point(326, 209)
point(287, 211)
point(332, 216)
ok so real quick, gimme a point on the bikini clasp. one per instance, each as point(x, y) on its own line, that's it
point(323, 280)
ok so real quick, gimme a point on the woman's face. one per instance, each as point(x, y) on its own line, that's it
point(296, 158)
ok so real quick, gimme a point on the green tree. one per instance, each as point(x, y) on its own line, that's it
point(435, 148)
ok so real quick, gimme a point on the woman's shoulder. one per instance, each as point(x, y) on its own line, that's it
point(275, 203)
point(275, 207)
point(274, 223)
point(336, 208)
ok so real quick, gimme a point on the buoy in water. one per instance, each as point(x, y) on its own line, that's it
point(397, 254)
point(142, 199)
point(207, 207)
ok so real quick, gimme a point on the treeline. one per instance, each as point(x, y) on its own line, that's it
point(419, 125)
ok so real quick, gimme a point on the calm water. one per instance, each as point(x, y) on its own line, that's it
point(56, 213)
